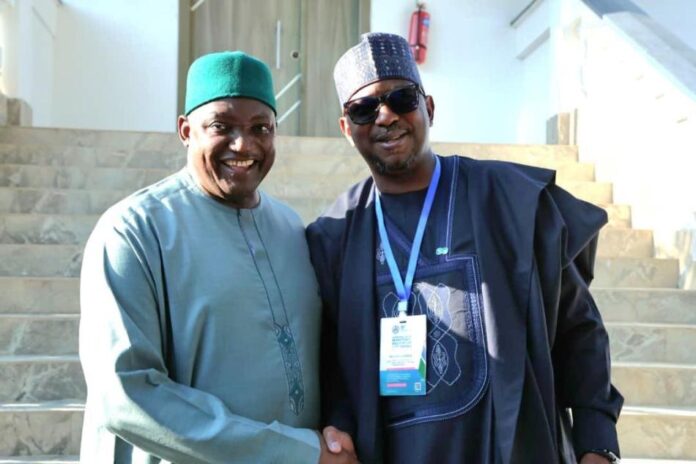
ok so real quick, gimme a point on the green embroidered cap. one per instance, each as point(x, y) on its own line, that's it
point(228, 74)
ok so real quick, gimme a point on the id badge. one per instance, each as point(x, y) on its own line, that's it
point(402, 356)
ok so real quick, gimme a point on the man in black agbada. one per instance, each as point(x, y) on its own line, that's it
point(514, 341)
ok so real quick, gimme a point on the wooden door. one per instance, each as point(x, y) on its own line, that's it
point(295, 38)
point(331, 28)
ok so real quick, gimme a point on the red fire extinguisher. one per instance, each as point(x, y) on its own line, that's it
point(418, 33)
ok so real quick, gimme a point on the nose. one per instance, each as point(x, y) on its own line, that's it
point(238, 141)
point(385, 115)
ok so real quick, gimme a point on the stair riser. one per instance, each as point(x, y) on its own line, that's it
point(303, 170)
point(40, 260)
point(327, 188)
point(65, 260)
point(42, 201)
point(656, 386)
point(515, 153)
point(26, 201)
point(76, 178)
point(653, 436)
point(626, 243)
point(30, 295)
point(592, 192)
point(75, 229)
point(91, 138)
point(619, 215)
point(320, 145)
point(653, 344)
point(41, 460)
point(38, 336)
point(656, 306)
point(636, 273)
point(37, 381)
point(42, 229)
point(93, 202)
point(90, 157)
point(40, 433)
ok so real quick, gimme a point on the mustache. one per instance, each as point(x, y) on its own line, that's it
point(389, 133)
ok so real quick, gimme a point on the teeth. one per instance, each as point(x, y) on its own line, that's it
point(243, 164)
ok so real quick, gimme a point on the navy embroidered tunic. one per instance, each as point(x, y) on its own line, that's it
point(531, 246)
point(447, 289)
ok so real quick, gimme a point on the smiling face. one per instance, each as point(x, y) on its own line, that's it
point(230, 148)
point(395, 146)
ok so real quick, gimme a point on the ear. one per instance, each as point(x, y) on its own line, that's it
point(183, 129)
point(346, 130)
point(430, 107)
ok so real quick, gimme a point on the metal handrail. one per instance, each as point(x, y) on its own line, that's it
point(282, 92)
point(197, 5)
point(287, 87)
point(527, 9)
point(289, 111)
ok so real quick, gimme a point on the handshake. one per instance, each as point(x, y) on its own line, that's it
point(336, 447)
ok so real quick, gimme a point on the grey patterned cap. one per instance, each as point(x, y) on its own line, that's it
point(378, 56)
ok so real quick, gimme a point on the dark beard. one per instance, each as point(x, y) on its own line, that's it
point(395, 169)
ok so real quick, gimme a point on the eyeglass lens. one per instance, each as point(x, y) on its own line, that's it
point(364, 110)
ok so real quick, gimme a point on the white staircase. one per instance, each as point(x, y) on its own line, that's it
point(54, 183)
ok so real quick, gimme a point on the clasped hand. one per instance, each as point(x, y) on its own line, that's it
point(336, 447)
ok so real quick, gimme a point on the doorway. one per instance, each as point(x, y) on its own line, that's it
point(300, 40)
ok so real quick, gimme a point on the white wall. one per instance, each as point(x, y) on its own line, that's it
point(470, 69)
point(27, 38)
point(38, 56)
point(9, 20)
point(678, 16)
point(116, 65)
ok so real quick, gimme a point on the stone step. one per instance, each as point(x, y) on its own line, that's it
point(46, 228)
point(39, 295)
point(626, 243)
point(35, 334)
point(168, 141)
point(652, 343)
point(656, 384)
point(33, 379)
point(287, 164)
point(17, 175)
point(40, 460)
point(326, 187)
point(657, 433)
point(504, 152)
point(599, 193)
point(287, 169)
point(57, 260)
point(40, 260)
point(72, 201)
point(41, 429)
point(75, 229)
point(619, 215)
point(91, 138)
point(636, 273)
point(654, 305)
point(645, 461)
point(91, 157)
point(47, 201)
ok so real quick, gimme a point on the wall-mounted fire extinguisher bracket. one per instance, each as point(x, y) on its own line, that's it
point(418, 33)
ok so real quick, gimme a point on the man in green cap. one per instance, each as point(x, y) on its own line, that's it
point(200, 309)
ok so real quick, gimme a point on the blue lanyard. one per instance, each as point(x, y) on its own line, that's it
point(403, 287)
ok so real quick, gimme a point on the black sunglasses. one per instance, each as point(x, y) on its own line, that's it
point(401, 101)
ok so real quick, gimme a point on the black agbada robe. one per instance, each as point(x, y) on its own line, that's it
point(547, 349)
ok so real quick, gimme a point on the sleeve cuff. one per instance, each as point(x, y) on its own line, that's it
point(593, 430)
